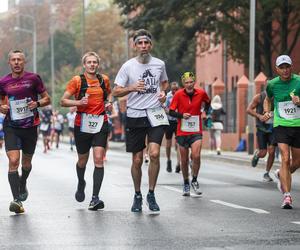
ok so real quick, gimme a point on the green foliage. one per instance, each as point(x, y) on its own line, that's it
point(180, 20)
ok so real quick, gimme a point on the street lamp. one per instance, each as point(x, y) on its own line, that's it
point(33, 32)
point(251, 74)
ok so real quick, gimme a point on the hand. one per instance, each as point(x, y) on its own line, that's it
point(162, 96)
point(4, 109)
point(186, 115)
point(84, 101)
point(32, 105)
point(139, 86)
point(296, 100)
point(266, 116)
point(108, 106)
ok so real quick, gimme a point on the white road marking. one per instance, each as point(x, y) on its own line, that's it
point(180, 191)
point(255, 210)
point(296, 222)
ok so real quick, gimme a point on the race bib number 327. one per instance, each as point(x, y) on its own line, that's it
point(91, 124)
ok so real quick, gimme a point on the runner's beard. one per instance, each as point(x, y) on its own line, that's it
point(144, 58)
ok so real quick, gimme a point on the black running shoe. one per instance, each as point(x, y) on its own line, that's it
point(255, 159)
point(23, 193)
point(169, 166)
point(16, 206)
point(137, 203)
point(96, 204)
point(80, 195)
point(151, 202)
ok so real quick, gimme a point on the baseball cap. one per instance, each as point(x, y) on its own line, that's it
point(283, 59)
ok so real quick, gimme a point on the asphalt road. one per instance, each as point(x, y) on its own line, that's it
point(236, 211)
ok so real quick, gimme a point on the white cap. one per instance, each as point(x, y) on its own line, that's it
point(283, 59)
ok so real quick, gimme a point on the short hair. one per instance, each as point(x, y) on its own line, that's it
point(14, 51)
point(91, 53)
point(187, 75)
point(142, 32)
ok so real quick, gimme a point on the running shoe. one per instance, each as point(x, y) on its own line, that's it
point(23, 193)
point(255, 159)
point(177, 169)
point(267, 177)
point(186, 190)
point(169, 166)
point(16, 206)
point(151, 202)
point(137, 203)
point(287, 202)
point(279, 187)
point(196, 188)
point(96, 204)
point(80, 195)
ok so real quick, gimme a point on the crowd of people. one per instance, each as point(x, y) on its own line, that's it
point(151, 114)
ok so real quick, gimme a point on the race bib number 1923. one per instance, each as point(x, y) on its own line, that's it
point(91, 124)
point(19, 109)
point(288, 110)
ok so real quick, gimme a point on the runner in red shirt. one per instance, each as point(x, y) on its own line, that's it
point(187, 106)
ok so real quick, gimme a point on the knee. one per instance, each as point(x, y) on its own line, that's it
point(262, 153)
point(98, 160)
point(137, 162)
point(14, 161)
point(196, 158)
point(154, 155)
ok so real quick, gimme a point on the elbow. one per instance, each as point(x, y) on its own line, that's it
point(63, 103)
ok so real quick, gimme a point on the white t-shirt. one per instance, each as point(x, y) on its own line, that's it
point(153, 73)
point(71, 119)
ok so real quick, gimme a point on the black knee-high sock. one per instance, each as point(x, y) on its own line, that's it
point(98, 178)
point(14, 182)
point(80, 174)
point(25, 174)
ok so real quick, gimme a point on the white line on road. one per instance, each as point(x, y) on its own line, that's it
point(255, 210)
point(180, 191)
point(296, 222)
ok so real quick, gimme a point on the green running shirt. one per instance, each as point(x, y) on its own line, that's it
point(285, 112)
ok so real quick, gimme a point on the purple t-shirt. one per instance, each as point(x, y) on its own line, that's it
point(19, 91)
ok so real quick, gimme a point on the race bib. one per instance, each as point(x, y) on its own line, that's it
point(157, 116)
point(191, 124)
point(288, 110)
point(44, 126)
point(91, 124)
point(19, 109)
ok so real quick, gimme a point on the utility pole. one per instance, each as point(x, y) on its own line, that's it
point(251, 75)
point(52, 66)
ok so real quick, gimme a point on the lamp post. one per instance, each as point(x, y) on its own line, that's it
point(33, 32)
point(251, 74)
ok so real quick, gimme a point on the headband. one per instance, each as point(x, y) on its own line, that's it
point(142, 37)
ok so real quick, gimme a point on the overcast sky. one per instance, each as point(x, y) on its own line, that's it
point(3, 5)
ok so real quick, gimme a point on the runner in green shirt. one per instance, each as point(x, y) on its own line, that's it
point(284, 91)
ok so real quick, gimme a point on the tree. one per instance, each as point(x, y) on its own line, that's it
point(277, 25)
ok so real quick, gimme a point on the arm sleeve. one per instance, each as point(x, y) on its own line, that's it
point(175, 114)
point(163, 76)
point(72, 86)
point(269, 90)
point(122, 77)
point(40, 87)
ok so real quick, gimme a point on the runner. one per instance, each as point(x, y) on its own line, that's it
point(45, 126)
point(186, 107)
point(22, 89)
point(264, 134)
point(171, 129)
point(284, 91)
point(144, 80)
point(71, 119)
point(91, 91)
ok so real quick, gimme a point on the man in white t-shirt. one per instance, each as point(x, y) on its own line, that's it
point(144, 80)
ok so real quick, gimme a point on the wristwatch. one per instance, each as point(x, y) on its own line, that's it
point(38, 104)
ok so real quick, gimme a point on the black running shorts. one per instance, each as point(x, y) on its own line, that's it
point(20, 139)
point(288, 135)
point(136, 131)
point(187, 140)
point(171, 129)
point(265, 139)
point(84, 141)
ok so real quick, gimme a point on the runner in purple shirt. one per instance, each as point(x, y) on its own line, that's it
point(19, 93)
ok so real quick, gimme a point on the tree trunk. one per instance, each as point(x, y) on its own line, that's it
point(284, 26)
